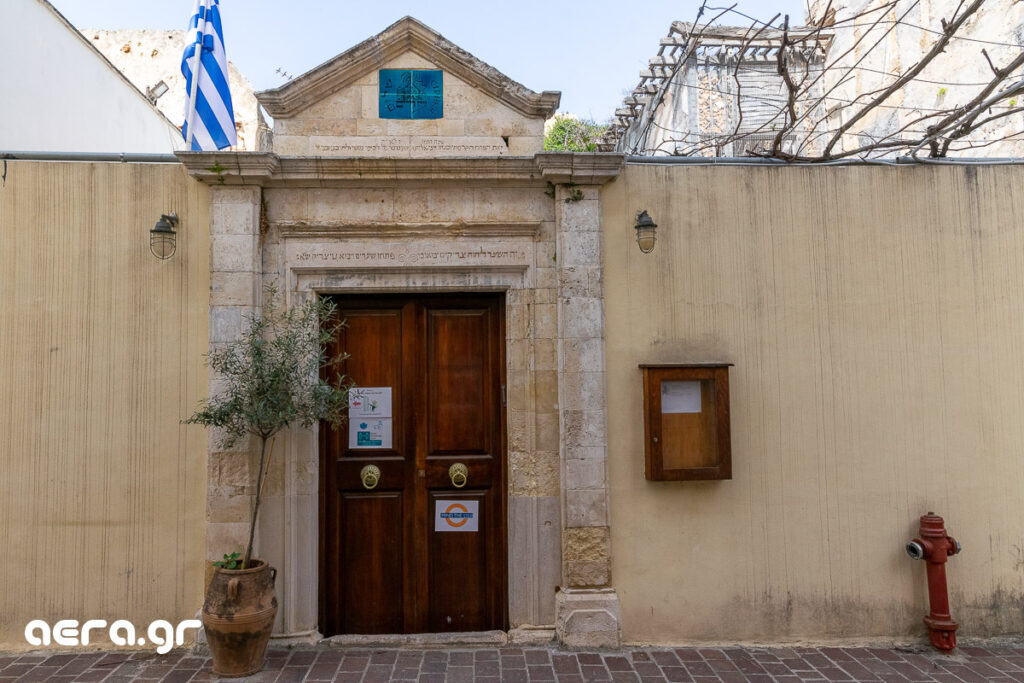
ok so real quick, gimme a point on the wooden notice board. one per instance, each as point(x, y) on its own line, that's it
point(686, 422)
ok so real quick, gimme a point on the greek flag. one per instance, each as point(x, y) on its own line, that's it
point(209, 117)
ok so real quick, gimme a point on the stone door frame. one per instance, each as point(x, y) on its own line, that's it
point(559, 542)
point(526, 551)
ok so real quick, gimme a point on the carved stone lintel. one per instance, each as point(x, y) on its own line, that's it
point(407, 230)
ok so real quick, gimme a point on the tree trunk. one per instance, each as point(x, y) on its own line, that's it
point(256, 503)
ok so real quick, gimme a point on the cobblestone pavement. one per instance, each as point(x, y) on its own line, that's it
point(729, 664)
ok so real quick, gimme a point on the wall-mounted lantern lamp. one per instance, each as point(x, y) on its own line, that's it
point(645, 229)
point(162, 239)
point(156, 92)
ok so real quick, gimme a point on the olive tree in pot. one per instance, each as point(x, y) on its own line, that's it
point(276, 374)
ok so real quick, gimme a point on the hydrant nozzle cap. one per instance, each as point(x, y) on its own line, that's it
point(915, 550)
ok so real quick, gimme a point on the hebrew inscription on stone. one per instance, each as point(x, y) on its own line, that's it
point(406, 146)
point(445, 253)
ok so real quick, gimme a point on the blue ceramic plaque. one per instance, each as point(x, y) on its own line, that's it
point(411, 94)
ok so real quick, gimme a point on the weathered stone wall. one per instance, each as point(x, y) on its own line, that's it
point(235, 293)
point(530, 228)
point(148, 56)
point(417, 238)
point(358, 204)
point(587, 607)
point(951, 80)
point(708, 101)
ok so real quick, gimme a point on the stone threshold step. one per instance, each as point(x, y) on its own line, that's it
point(517, 636)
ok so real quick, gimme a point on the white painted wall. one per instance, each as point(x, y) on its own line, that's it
point(61, 95)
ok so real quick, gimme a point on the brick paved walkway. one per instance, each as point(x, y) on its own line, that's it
point(728, 665)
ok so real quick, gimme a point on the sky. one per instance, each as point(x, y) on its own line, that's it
point(590, 51)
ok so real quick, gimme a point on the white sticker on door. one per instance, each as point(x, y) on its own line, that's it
point(456, 515)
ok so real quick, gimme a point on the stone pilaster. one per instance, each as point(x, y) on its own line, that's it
point(234, 294)
point(587, 608)
point(534, 469)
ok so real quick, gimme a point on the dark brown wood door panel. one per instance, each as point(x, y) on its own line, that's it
point(458, 381)
point(371, 568)
point(458, 573)
point(383, 567)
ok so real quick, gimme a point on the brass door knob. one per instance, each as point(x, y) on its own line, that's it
point(459, 474)
point(370, 476)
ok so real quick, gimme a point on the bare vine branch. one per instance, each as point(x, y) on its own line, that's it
point(812, 117)
point(948, 30)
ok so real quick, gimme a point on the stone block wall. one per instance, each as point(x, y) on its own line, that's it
point(346, 123)
point(406, 222)
point(587, 617)
point(528, 230)
point(234, 294)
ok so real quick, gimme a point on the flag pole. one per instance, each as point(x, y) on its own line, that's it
point(201, 28)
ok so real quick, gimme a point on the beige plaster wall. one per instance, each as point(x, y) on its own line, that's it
point(102, 491)
point(346, 123)
point(874, 318)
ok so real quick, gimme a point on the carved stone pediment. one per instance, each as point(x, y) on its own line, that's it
point(405, 35)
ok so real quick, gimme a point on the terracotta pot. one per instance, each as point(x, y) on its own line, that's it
point(238, 616)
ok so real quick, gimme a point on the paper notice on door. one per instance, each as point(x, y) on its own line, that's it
point(456, 515)
point(680, 397)
point(369, 417)
point(369, 402)
point(363, 433)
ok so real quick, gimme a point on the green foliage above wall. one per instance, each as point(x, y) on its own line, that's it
point(567, 133)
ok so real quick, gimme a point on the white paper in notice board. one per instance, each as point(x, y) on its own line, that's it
point(680, 397)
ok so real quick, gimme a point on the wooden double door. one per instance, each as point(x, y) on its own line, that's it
point(412, 506)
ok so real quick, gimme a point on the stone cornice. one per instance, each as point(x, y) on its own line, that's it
point(269, 170)
point(579, 168)
point(230, 168)
point(405, 35)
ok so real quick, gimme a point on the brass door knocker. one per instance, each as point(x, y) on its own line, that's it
point(370, 476)
point(459, 474)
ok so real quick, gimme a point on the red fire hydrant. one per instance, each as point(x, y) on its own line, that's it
point(935, 546)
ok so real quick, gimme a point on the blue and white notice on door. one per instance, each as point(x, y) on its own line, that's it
point(369, 417)
point(456, 515)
